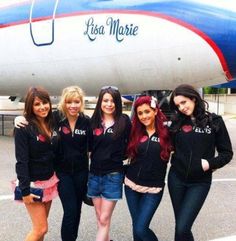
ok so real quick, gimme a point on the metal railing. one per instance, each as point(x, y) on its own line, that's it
point(7, 121)
point(6, 124)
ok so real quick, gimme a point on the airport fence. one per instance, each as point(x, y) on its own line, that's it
point(6, 124)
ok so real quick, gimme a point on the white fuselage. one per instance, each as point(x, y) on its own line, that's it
point(135, 51)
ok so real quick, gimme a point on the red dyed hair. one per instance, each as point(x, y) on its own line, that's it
point(139, 130)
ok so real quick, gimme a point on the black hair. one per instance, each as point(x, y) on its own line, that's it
point(96, 119)
point(200, 112)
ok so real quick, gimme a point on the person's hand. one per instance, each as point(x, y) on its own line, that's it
point(20, 121)
point(30, 198)
point(205, 165)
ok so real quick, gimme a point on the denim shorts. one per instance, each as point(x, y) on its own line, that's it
point(108, 186)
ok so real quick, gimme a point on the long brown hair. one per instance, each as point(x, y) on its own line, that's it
point(43, 95)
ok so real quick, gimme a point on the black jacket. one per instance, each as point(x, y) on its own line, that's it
point(148, 169)
point(34, 155)
point(192, 144)
point(108, 153)
point(72, 155)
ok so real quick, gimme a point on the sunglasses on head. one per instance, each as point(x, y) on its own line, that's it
point(109, 87)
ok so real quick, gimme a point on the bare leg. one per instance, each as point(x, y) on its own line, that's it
point(47, 206)
point(104, 209)
point(38, 213)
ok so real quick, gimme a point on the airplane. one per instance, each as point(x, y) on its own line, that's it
point(136, 45)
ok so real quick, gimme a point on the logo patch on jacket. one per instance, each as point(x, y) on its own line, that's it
point(109, 130)
point(41, 138)
point(143, 139)
point(155, 139)
point(80, 132)
point(65, 130)
point(97, 131)
point(187, 128)
point(206, 130)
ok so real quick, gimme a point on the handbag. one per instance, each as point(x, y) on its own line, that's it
point(34, 190)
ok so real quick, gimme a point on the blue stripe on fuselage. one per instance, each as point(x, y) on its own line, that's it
point(200, 16)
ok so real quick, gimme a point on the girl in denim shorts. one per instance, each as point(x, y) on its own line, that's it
point(111, 130)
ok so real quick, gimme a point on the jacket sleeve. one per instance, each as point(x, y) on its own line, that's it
point(57, 117)
point(22, 159)
point(127, 131)
point(223, 147)
point(90, 136)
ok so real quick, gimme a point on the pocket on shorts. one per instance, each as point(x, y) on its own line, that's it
point(92, 178)
point(115, 177)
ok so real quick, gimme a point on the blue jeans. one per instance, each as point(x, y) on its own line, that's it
point(71, 188)
point(142, 207)
point(187, 200)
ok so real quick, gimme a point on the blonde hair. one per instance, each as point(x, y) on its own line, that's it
point(70, 93)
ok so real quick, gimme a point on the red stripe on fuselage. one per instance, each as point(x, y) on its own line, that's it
point(204, 36)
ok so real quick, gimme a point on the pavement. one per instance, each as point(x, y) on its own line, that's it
point(216, 221)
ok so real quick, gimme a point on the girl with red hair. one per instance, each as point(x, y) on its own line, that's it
point(149, 150)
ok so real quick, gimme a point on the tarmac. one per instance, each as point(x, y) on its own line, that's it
point(216, 221)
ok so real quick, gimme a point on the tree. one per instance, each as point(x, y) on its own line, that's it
point(212, 90)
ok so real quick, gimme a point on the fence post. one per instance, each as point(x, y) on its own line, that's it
point(3, 125)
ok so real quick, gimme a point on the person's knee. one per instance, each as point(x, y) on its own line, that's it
point(44, 230)
point(41, 231)
point(70, 214)
point(139, 230)
point(182, 232)
point(104, 220)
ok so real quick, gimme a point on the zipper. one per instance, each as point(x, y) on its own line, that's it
point(72, 167)
point(191, 155)
point(72, 135)
point(72, 163)
point(139, 171)
point(189, 164)
point(99, 163)
point(149, 139)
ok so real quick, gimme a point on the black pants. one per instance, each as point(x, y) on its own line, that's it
point(71, 190)
point(187, 200)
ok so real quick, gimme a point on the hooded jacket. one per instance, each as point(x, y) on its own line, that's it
point(192, 144)
point(108, 153)
point(72, 154)
point(35, 156)
point(148, 169)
